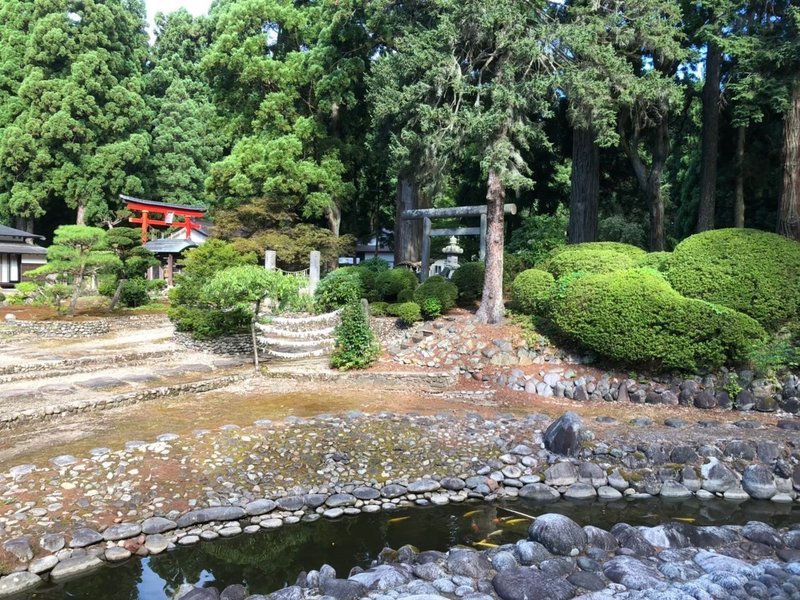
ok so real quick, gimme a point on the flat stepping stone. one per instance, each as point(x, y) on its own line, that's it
point(123, 531)
point(156, 525)
point(56, 389)
point(607, 420)
point(134, 444)
point(117, 554)
point(675, 423)
point(789, 424)
point(83, 537)
point(21, 470)
point(156, 543)
point(102, 382)
point(263, 423)
point(167, 437)
point(708, 423)
point(642, 421)
point(64, 460)
point(140, 377)
point(99, 451)
point(18, 583)
point(748, 424)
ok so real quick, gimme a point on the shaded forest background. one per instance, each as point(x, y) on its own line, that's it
point(309, 124)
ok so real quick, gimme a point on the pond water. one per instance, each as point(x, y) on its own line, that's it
point(268, 560)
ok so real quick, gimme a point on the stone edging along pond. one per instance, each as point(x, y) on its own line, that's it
point(93, 327)
point(557, 463)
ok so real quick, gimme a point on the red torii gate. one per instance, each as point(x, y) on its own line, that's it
point(168, 212)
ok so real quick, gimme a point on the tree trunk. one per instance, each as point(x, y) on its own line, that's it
point(491, 309)
point(25, 224)
point(653, 190)
point(710, 140)
point(117, 295)
point(738, 209)
point(80, 217)
point(408, 234)
point(789, 211)
point(73, 305)
point(334, 216)
point(585, 189)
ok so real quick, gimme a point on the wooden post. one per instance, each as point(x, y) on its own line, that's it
point(170, 265)
point(426, 248)
point(313, 271)
point(482, 254)
point(270, 257)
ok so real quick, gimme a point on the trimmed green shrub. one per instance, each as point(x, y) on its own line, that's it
point(391, 283)
point(204, 323)
point(107, 285)
point(754, 272)
point(431, 308)
point(406, 295)
point(588, 261)
point(378, 309)
point(408, 312)
point(440, 288)
point(513, 265)
point(658, 261)
point(468, 278)
point(629, 250)
point(356, 347)
point(376, 265)
point(531, 290)
point(635, 317)
point(338, 288)
point(134, 293)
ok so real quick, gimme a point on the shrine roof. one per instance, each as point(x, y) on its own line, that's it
point(163, 206)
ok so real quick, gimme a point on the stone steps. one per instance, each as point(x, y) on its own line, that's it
point(298, 338)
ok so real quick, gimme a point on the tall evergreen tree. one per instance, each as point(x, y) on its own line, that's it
point(76, 140)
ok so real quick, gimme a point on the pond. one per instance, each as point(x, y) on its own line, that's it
point(268, 560)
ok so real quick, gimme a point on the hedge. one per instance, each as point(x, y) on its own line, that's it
point(754, 272)
point(531, 290)
point(468, 278)
point(632, 252)
point(635, 317)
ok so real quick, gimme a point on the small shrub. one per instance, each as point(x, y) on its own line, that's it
point(408, 312)
point(378, 309)
point(156, 285)
point(754, 272)
point(468, 278)
point(406, 295)
point(531, 290)
point(588, 261)
point(134, 293)
point(658, 261)
point(440, 288)
point(203, 323)
point(779, 354)
point(2, 297)
point(635, 317)
point(338, 288)
point(356, 347)
point(391, 283)
point(431, 308)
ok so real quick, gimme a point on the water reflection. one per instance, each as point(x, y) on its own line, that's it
point(271, 559)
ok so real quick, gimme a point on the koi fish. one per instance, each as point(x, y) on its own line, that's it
point(398, 519)
point(485, 544)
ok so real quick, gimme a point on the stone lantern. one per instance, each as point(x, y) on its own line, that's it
point(452, 251)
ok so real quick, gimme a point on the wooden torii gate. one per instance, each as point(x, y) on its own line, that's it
point(427, 214)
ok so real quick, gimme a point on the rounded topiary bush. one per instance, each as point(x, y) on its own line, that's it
point(635, 317)
point(439, 288)
point(633, 252)
point(754, 272)
point(588, 261)
point(468, 278)
point(378, 309)
point(531, 290)
point(408, 312)
point(338, 288)
point(654, 260)
point(390, 283)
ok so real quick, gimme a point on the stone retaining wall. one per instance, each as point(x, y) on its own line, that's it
point(79, 329)
point(232, 345)
point(392, 380)
point(75, 365)
point(51, 412)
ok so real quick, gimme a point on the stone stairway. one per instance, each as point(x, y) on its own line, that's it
point(298, 338)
